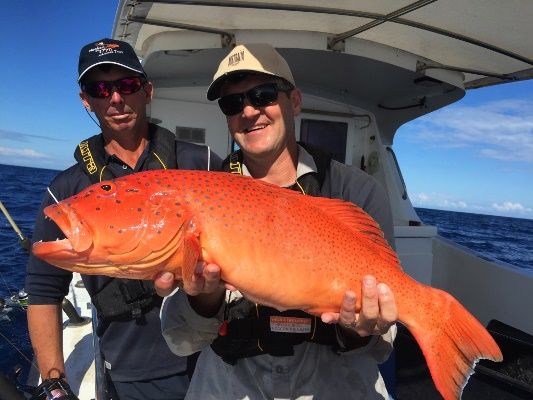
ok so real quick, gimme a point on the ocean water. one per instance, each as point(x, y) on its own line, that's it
point(21, 193)
point(494, 238)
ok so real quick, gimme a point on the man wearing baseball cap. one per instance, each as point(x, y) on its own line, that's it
point(336, 357)
point(138, 363)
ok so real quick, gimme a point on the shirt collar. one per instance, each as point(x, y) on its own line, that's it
point(306, 164)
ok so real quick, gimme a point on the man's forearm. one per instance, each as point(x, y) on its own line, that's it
point(46, 334)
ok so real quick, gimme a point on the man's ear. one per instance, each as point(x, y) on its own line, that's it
point(149, 90)
point(296, 101)
point(85, 101)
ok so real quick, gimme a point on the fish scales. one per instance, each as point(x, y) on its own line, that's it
point(276, 246)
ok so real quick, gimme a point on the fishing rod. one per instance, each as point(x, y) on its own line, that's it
point(24, 241)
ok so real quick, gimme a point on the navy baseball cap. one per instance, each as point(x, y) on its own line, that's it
point(108, 51)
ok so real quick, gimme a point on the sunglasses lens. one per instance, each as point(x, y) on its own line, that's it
point(98, 89)
point(259, 96)
point(231, 104)
point(104, 89)
point(129, 85)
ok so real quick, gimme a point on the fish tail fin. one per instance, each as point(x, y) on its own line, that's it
point(453, 343)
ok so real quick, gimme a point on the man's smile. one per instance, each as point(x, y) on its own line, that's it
point(255, 128)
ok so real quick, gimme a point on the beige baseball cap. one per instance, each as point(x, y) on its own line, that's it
point(253, 57)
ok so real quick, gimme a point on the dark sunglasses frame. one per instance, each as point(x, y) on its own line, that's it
point(258, 96)
point(104, 89)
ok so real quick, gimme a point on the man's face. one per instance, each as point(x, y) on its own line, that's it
point(263, 130)
point(118, 112)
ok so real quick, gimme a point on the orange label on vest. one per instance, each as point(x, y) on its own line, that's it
point(290, 324)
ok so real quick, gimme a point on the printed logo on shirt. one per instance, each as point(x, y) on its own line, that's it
point(87, 157)
point(290, 324)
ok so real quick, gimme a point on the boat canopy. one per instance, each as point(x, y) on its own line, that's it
point(396, 58)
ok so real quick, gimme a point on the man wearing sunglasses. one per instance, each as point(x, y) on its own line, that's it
point(249, 356)
point(138, 363)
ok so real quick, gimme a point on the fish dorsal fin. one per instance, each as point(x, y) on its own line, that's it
point(353, 217)
point(347, 213)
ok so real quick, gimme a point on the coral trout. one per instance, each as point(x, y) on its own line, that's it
point(275, 246)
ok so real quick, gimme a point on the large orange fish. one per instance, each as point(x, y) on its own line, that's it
point(277, 247)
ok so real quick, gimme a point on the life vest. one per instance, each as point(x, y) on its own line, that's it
point(265, 330)
point(128, 299)
point(90, 154)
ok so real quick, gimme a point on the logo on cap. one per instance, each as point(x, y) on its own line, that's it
point(236, 58)
point(103, 49)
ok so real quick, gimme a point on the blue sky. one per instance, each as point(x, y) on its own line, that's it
point(474, 156)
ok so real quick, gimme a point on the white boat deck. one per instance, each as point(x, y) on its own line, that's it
point(78, 344)
point(78, 347)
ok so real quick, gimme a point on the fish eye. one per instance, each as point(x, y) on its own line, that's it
point(107, 188)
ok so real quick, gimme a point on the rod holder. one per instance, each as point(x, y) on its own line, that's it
point(74, 319)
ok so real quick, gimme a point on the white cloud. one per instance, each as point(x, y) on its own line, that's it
point(24, 153)
point(437, 200)
point(444, 202)
point(510, 206)
point(24, 137)
point(501, 130)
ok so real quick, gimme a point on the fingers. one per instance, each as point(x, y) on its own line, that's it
point(165, 283)
point(378, 309)
point(206, 279)
point(347, 315)
point(388, 308)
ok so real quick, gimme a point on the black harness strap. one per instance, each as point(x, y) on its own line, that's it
point(310, 184)
point(125, 299)
point(91, 156)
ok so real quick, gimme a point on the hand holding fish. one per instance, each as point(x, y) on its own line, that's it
point(205, 280)
point(205, 288)
point(378, 310)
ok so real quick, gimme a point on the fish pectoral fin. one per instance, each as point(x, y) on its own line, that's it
point(191, 254)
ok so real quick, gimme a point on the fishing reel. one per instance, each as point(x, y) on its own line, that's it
point(53, 389)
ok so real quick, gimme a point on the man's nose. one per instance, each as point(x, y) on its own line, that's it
point(248, 109)
point(116, 97)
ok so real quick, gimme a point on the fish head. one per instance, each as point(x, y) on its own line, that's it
point(128, 227)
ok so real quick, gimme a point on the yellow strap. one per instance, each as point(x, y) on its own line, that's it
point(102, 171)
point(159, 159)
point(300, 186)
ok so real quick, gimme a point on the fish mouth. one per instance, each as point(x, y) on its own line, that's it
point(78, 240)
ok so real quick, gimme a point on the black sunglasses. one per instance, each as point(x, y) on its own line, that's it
point(259, 96)
point(104, 89)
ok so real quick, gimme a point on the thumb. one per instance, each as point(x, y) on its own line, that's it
point(165, 283)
